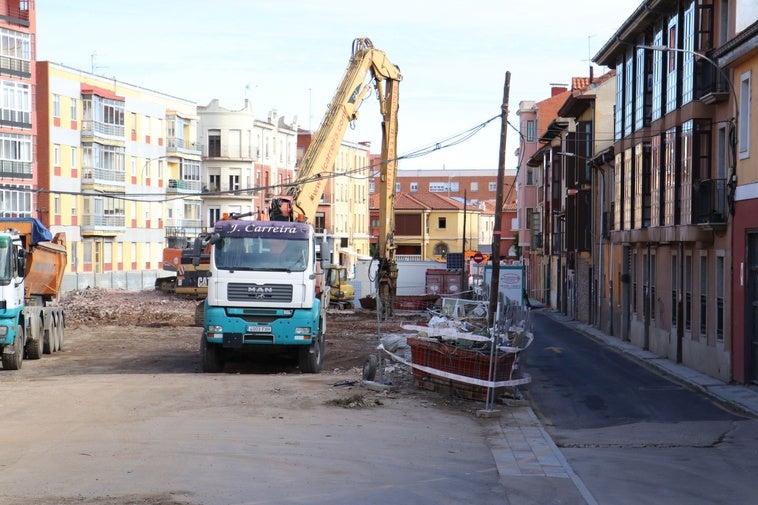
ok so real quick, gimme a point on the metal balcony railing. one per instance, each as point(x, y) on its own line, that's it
point(709, 203)
point(103, 176)
point(182, 186)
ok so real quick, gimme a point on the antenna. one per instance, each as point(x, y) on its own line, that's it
point(93, 66)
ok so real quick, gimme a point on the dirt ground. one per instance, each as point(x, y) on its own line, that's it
point(130, 366)
point(138, 321)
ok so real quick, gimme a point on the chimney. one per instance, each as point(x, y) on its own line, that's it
point(557, 89)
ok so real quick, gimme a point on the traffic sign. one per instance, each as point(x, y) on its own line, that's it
point(478, 257)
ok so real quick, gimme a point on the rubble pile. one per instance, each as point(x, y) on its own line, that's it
point(115, 307)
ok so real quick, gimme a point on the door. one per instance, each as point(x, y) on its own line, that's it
point(751, 308)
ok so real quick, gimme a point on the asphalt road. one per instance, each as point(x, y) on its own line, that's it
point(632, 435)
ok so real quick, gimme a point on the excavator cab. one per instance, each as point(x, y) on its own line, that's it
point(280, 209)
point(341, 293)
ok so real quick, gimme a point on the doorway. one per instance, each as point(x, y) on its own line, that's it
point(751, 306)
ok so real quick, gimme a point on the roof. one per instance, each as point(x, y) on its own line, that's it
point(420, 201)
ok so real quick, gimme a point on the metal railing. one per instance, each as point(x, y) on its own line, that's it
point(709, 204)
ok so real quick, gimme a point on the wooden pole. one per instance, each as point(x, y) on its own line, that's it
point(496, 233)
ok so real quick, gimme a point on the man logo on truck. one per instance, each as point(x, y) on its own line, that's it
point(260, 290)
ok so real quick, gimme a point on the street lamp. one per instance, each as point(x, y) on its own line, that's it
point(701, 56)
point(732, 181)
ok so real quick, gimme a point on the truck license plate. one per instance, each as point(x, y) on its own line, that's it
point(259, 329)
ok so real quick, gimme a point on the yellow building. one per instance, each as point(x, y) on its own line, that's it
point(122, 167)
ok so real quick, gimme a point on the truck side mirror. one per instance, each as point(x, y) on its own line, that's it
point(21, 263)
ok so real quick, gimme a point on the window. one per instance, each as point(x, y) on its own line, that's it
point(414, 187)
point(214, 183)
point(73, 109)
point(531, 130)
point(17, 47)
point(15, 201)
point(492, 187)
point(56, 155)
point(371, 187)
point(723, 22)
point(474, 186)
point(397, 187)
point(214, 143)
point(671, 67)
point(640, 89)
point(16, 104)
point(628, 92)
point(744, 114)
point(688, 58)
point(56, 106)
point(437, 187)
point(214, 214)
point(657, 99)
point(442, 223)
point(74, 157)
point(234, 182)
point(618, 125)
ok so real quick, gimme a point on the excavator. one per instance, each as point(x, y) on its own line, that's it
point(301, 202)
point(317, 165)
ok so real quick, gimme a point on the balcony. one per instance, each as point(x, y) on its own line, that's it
point(102, 176)
point(92, 128)
point(18, 11)
point(185, 187)
point(92, 223)
point(15, 169)
point(709, 205)
point(184, 224)
point(176, 145)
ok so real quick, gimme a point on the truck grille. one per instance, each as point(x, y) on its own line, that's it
point(244, 292)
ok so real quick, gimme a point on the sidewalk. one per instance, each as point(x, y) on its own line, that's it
point(744, 398)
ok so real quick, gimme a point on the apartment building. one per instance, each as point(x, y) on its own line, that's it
point(246, 161)
point(19, 171)
point(563, 260)
point(121, 168)
point(683, 80)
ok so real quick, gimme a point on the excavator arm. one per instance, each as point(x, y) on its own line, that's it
point(317, 164)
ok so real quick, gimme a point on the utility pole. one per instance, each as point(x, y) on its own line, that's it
point(496, 233)
point(464, 288)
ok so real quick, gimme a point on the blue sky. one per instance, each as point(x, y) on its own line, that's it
point(291, 56)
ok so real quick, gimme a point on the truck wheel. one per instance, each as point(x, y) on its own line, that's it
point(34, 348)
point(58, 337)
point(14, 361)
point(211, 356)
point(311, 358)
point(48, 341)
point(61, 333)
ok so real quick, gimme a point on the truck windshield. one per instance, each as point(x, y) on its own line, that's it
point(257, 253)
point(6, 265)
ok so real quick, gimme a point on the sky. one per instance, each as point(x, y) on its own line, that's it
point(291, 55)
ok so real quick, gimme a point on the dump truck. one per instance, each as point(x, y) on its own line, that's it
point(32, 264)
point(266, 286)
